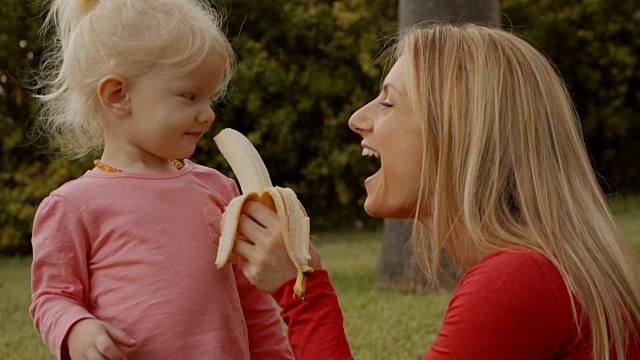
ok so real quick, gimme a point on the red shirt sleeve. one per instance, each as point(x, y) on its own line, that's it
point(266, 339)
point(315, 325)
point(512, 305)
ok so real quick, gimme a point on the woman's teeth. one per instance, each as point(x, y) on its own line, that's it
point(370, 152)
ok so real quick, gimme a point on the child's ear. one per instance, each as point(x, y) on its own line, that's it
point(113, 94)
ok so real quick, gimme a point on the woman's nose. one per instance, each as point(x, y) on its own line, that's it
point(361, 121)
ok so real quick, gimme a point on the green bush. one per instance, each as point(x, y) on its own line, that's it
point(596, 46)
point(27, 173)
point(305, 67)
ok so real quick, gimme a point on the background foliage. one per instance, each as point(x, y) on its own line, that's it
point(305, 66)
point(596, 47)
point(27, 173)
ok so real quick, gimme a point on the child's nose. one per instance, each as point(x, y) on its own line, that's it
point(208, 116)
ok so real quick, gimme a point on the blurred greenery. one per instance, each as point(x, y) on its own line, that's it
point(596, 46)
point(305, 66)
point(28, 173)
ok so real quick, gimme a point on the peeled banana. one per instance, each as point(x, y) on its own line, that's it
point(255, 184)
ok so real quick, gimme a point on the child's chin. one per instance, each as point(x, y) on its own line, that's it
point(186, 154)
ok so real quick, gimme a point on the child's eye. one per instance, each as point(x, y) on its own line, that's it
point(189, 96)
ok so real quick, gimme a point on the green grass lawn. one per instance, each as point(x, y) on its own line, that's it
point(18, 339)
point(379, 325)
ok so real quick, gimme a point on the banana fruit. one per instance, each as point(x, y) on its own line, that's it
point(255, 184)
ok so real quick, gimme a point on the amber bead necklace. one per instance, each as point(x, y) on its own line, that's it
point(106, 168)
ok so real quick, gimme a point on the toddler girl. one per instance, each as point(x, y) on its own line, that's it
point(123, 257)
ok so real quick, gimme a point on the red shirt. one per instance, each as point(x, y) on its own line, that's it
point(512, 305)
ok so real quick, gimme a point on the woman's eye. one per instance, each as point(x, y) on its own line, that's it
point(386, 104)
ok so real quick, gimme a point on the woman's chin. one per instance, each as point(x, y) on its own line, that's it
point(378, 210)
point(389, 211)
point(371, 209)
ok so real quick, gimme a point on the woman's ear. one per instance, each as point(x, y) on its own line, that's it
point(114, 96)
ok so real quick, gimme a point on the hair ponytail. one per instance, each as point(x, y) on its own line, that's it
point(65, 15)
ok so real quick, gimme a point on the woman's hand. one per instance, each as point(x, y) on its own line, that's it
point(266, 262)
point(92, 339)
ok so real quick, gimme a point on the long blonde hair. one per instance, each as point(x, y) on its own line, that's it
point(505, 161)
point(93, 39)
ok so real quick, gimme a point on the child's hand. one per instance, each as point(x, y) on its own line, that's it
point(267, 264)
point(96, 340)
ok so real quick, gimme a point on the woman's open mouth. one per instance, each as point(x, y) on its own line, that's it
point(367, 151)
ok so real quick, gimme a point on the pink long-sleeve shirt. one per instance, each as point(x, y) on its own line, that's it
point(137, 251)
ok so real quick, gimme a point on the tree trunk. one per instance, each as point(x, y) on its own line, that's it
point(396, 267)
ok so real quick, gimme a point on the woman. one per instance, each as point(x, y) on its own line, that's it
point(479, 143)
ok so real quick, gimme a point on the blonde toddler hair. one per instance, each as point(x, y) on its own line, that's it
point(128, 38)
